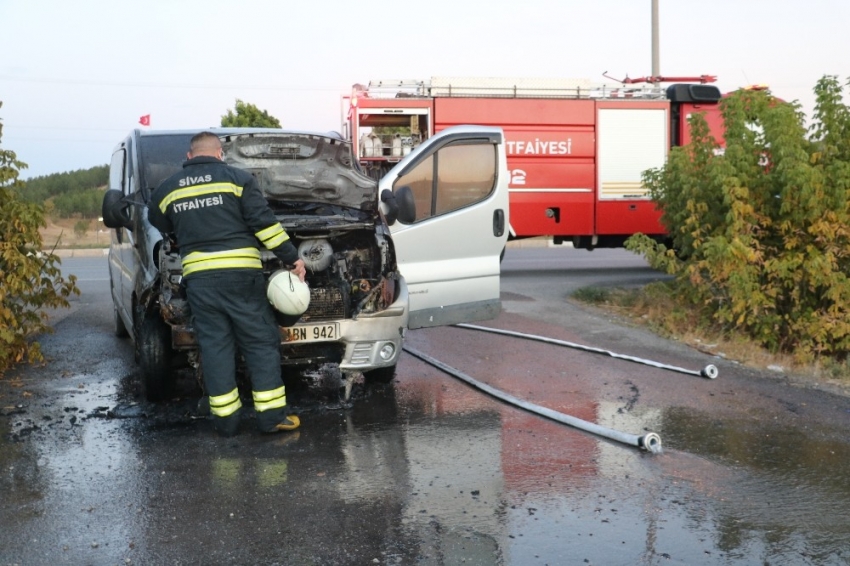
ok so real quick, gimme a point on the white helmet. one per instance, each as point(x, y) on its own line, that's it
point(287, 293)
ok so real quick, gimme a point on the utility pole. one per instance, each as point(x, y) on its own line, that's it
point(656, 65)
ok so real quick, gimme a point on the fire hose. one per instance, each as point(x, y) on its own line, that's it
point(709, 371)
point(650, 441)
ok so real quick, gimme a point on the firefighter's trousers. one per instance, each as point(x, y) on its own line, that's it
point(230, 311)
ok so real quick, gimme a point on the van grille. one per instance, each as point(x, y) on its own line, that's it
point(311, 354)
point(326, 303)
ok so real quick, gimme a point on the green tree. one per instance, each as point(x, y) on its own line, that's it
point(760, 232)
point(246, 115)
point(85, 202)
point(30, 278)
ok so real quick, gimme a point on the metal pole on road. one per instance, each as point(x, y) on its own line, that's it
point(650, 441)
point(710, 371)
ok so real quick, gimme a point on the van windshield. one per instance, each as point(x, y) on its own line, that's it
point(162, 156)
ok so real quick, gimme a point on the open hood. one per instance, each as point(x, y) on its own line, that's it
point(302, 167)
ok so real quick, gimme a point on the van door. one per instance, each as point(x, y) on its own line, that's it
point(116, 175)
point(121, 258)
point(449, 254)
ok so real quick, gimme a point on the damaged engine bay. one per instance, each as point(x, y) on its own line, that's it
point(350, 271)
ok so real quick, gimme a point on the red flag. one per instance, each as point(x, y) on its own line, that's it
point(145, 120)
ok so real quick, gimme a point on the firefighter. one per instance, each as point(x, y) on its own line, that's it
point(217, 213)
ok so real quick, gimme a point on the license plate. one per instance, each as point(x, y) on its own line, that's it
point(311, 333)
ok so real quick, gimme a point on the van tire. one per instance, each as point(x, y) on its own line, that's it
point(155, 354)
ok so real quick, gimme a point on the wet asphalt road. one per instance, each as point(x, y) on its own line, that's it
point(755, 468)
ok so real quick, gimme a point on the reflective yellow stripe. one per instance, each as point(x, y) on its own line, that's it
point(273, 236)
point(269, 232)
point(272, 399)
point(269, 395)
point(276, 404)
point(242, 258)
point(275, 242)
point(225, 405)
point(199, 190)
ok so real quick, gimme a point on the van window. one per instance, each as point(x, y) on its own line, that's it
point(116, 170)
point(161, 157)
point(466, 175)
point(454, 177)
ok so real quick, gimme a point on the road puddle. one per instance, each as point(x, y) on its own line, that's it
point(724, 491)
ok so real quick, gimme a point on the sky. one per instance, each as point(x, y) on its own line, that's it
point(75, 77)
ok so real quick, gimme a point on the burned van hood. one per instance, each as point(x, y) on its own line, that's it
point(302, 167)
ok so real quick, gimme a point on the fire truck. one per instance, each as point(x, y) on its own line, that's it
point(576, 150)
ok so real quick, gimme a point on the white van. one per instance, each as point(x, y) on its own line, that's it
point(420, 247)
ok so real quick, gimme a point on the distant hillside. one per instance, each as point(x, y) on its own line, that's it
point(71, 194)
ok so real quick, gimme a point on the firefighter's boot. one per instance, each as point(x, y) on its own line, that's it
point(289, 423)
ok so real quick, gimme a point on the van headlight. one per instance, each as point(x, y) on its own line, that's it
point(387, 352)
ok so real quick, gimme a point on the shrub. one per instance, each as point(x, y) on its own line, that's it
point(30, 279)
point(81, 227)
point(760, 232)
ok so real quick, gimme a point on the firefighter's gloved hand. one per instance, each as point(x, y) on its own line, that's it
point(298, 269)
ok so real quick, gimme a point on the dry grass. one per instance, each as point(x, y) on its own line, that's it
point(60, 233)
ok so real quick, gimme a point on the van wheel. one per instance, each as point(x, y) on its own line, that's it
point(120, 328)
point(155, 355)
point(380, 375)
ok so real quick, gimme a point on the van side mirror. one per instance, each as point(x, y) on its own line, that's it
point(115, 210)
point(400, 205)
point(388, 198)
point(406, 204)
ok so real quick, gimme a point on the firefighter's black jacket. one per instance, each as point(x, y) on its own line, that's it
point(217, 214)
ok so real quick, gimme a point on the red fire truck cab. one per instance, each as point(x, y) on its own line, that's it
point(576, 151)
